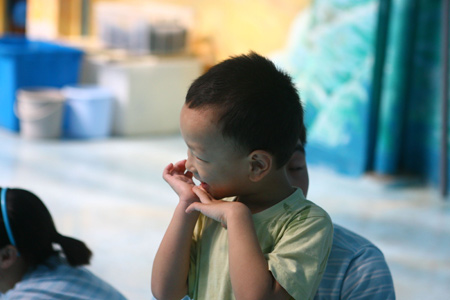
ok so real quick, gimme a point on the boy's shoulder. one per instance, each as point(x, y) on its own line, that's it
point(298, 202)
point(293, 206)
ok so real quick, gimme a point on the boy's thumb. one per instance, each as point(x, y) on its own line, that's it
point(192, 207)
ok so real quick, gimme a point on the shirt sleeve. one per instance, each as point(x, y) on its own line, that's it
point(368, 277)
point(299, 258)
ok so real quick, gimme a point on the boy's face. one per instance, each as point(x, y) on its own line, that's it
point(213, 159)
point(297, 170)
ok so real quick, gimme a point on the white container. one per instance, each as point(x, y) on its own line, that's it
point(40, 111)
point(148, 93)
point(144, 27)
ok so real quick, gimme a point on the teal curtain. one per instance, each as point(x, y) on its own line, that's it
point(409, 124)
point(368, 72)
point(421, 146)
point(394, 86)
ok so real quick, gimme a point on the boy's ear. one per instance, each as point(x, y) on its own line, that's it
point(8, 256)
point(260, 164)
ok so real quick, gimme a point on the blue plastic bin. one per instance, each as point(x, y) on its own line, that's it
point(29, 63)
point(88, 112)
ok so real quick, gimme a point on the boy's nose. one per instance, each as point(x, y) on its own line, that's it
point(189, 165)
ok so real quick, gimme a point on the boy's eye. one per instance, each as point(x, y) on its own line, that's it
point(200, 159)
point(296, 168)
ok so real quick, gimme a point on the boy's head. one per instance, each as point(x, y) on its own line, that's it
point(256, 105)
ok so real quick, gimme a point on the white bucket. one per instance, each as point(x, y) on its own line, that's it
point(40, 111)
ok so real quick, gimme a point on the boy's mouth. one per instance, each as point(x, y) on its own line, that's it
point(204, 185)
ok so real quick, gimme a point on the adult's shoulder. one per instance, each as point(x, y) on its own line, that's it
point(345, 239)
point(356, 268)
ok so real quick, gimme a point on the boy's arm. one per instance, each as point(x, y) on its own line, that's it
point(171, 264)
point(249, 271)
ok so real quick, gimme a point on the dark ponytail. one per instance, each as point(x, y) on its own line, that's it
point(35, 232)
point(76, 252)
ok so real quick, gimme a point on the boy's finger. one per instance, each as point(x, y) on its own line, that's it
point(196, 206)
point(181, 165)
point(168, 169)
point(202, 194)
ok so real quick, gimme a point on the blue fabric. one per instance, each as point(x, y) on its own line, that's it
point(356, 269)
point(57, 280)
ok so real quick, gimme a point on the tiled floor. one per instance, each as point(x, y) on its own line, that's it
point(110, 194)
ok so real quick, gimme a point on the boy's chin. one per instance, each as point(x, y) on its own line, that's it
point(214, 193)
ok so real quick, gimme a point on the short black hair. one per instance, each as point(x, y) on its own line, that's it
point(259, 107)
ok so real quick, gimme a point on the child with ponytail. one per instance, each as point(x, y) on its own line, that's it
point(30, 266)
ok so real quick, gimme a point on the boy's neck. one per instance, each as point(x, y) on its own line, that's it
point(273, 189)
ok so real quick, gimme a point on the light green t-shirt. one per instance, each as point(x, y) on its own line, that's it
point(295, 236)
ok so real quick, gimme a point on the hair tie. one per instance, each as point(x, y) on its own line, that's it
point(5, 218)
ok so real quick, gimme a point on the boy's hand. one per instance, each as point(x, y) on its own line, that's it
point(218, 210)
point(181, 181)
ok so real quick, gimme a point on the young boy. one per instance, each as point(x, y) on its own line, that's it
point(241, 122)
